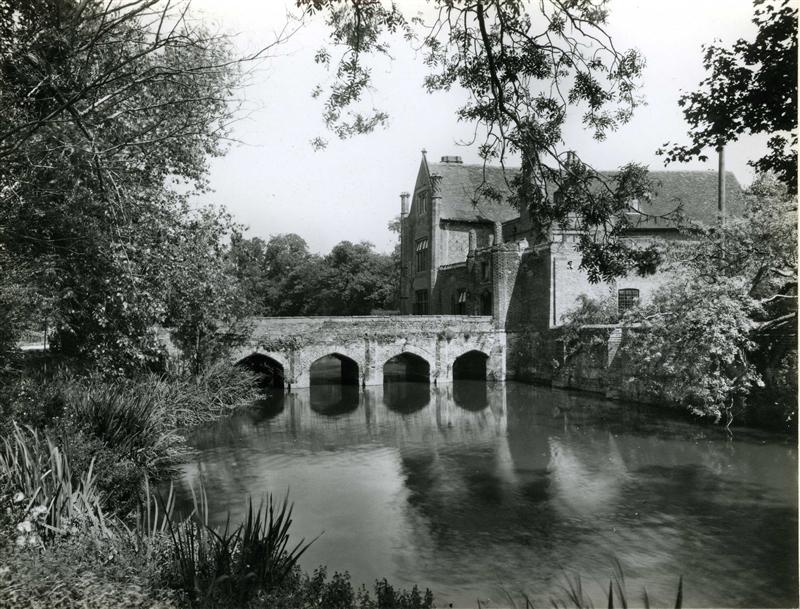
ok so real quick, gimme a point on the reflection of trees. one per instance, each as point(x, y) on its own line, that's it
point(269, 407)
point(586, 482)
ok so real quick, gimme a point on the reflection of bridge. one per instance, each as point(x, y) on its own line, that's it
point(439, 347)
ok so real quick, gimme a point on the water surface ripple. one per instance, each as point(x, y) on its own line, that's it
point(481, 490)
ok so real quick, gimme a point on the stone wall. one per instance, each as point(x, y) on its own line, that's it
point(296, 342)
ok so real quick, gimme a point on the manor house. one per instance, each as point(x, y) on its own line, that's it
point(463, 254)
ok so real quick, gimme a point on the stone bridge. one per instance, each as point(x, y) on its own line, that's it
point(435, 346)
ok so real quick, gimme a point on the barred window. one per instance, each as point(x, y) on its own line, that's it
point(461, 302)
point(422, 203)
point(627, 298)
point(421, 302)
point(422, 255)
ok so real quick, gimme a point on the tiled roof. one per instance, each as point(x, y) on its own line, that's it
point(695, 191)
point(461, 192)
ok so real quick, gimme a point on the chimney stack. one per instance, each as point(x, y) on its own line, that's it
point(404, 204)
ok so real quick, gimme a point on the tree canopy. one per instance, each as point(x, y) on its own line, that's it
point(525, 67)
point(751, 88)
point(109, 113)
point(281, 277)
point(725, 323)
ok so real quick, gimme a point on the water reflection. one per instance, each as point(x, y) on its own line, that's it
point(334, 400)
point(471, 395)
point(270, 406)
point(460, 487)
point(406, 398)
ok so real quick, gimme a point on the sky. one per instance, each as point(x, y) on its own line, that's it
point(274, 182)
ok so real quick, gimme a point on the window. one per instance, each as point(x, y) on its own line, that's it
point(627, 298)
point(421, 302)
point(486, 303)
point(484, 270)
point(461, 302)
point(422, 203)
point(422, 255)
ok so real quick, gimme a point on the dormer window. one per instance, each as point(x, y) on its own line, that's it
point(422, 203)
point(635, 206)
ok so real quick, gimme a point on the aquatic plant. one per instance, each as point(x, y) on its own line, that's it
point(574, 595)
point(39, 473)
point(229, 566)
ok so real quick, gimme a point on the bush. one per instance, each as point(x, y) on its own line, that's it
point(129, 429)
point(81, 571)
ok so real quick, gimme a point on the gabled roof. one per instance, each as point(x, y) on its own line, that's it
point(461, 188)
point(694, 191)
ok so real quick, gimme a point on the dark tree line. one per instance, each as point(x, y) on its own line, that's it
point(280, 277)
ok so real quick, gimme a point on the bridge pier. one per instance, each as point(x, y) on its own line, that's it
point(295, 343)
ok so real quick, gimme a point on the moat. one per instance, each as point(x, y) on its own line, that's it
point(475, 488)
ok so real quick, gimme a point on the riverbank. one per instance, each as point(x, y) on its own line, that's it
point(80, 527)
point(108, 545)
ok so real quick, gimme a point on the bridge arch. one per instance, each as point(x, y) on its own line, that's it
point(470, 365)
point(334, 368)
point(407, 365)
point(271, 369)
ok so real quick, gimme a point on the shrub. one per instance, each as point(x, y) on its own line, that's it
point(81, 571)
point(216, 391)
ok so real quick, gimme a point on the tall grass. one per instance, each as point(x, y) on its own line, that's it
point(230, 566)
point(128, 419)
point(34, 465)
point(216, 391)
point(574, 595)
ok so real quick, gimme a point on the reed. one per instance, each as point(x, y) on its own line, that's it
point(34, 465)
point(231, 565)
point(129, 419)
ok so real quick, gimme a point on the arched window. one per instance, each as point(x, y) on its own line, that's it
point(627, 298)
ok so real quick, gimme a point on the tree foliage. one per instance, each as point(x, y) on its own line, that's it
point(724, 323)
point(281, 277)
point(751, 88)
point(710, 336)
point(692, 346)
point(524, 69)
point(109, 113)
